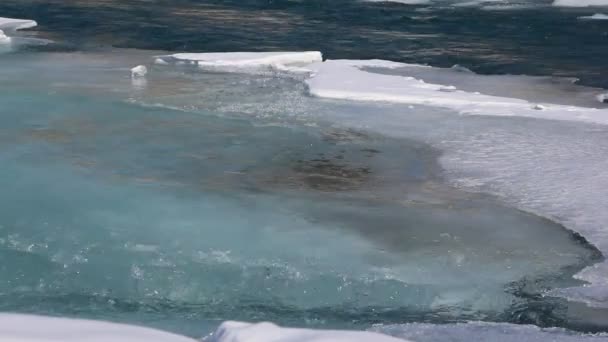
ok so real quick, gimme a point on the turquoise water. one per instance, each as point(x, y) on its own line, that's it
point(172, 205)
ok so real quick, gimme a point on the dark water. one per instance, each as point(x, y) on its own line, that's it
point(540, 40)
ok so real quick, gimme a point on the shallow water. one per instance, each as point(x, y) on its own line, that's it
point(116, 206)
point(188, 198)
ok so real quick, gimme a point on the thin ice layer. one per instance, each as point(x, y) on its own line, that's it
point(482, 331)
point(26, 328)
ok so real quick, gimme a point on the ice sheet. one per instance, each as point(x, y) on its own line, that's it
point(348, 79)
point(245, 61)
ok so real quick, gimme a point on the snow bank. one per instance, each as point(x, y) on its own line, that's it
point(245, 61)
point(353, 80)
point(268, 332)
point(580, 3)
point(481, 331)
point(26, 328)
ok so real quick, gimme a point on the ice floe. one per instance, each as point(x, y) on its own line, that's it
point(245, 61)
point(10, 25)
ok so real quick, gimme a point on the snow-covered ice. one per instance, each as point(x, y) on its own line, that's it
point(245, 61)
point(268, 332)
point(9, 24)
point(27, 328)
point(349, 80)
point(139, 71)
point(580, 3)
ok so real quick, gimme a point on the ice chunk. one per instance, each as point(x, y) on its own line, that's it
point(9, 24)
point(4, 38)
point(26, 328)
point(139, 71)
point(482, 331)
point(268, 332)
point(246, 61)
point(580, 3)
point(596, 16)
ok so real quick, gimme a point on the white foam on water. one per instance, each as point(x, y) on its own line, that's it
point(245, 61)
point(27, 328)
point(482, 331)
point(268, 332)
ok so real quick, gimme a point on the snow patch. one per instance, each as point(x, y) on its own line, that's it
point(268, 332)
point(245, 61)
point(26, 328)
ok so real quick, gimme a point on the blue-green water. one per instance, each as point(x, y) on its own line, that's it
point(194, 198)
point(180, 219)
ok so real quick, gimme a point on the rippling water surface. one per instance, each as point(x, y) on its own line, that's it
point(190, 198)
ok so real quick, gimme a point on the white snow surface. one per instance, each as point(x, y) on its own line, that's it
point(27, 328)
point(139, 71)
point(347, 79)
point(268, 332)
point(30, 328)
point(9, 25)
point(580, 3)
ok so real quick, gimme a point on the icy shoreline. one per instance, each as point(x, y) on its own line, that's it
point(356, 80)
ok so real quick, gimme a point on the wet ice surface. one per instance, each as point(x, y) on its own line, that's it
point(252, 209)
